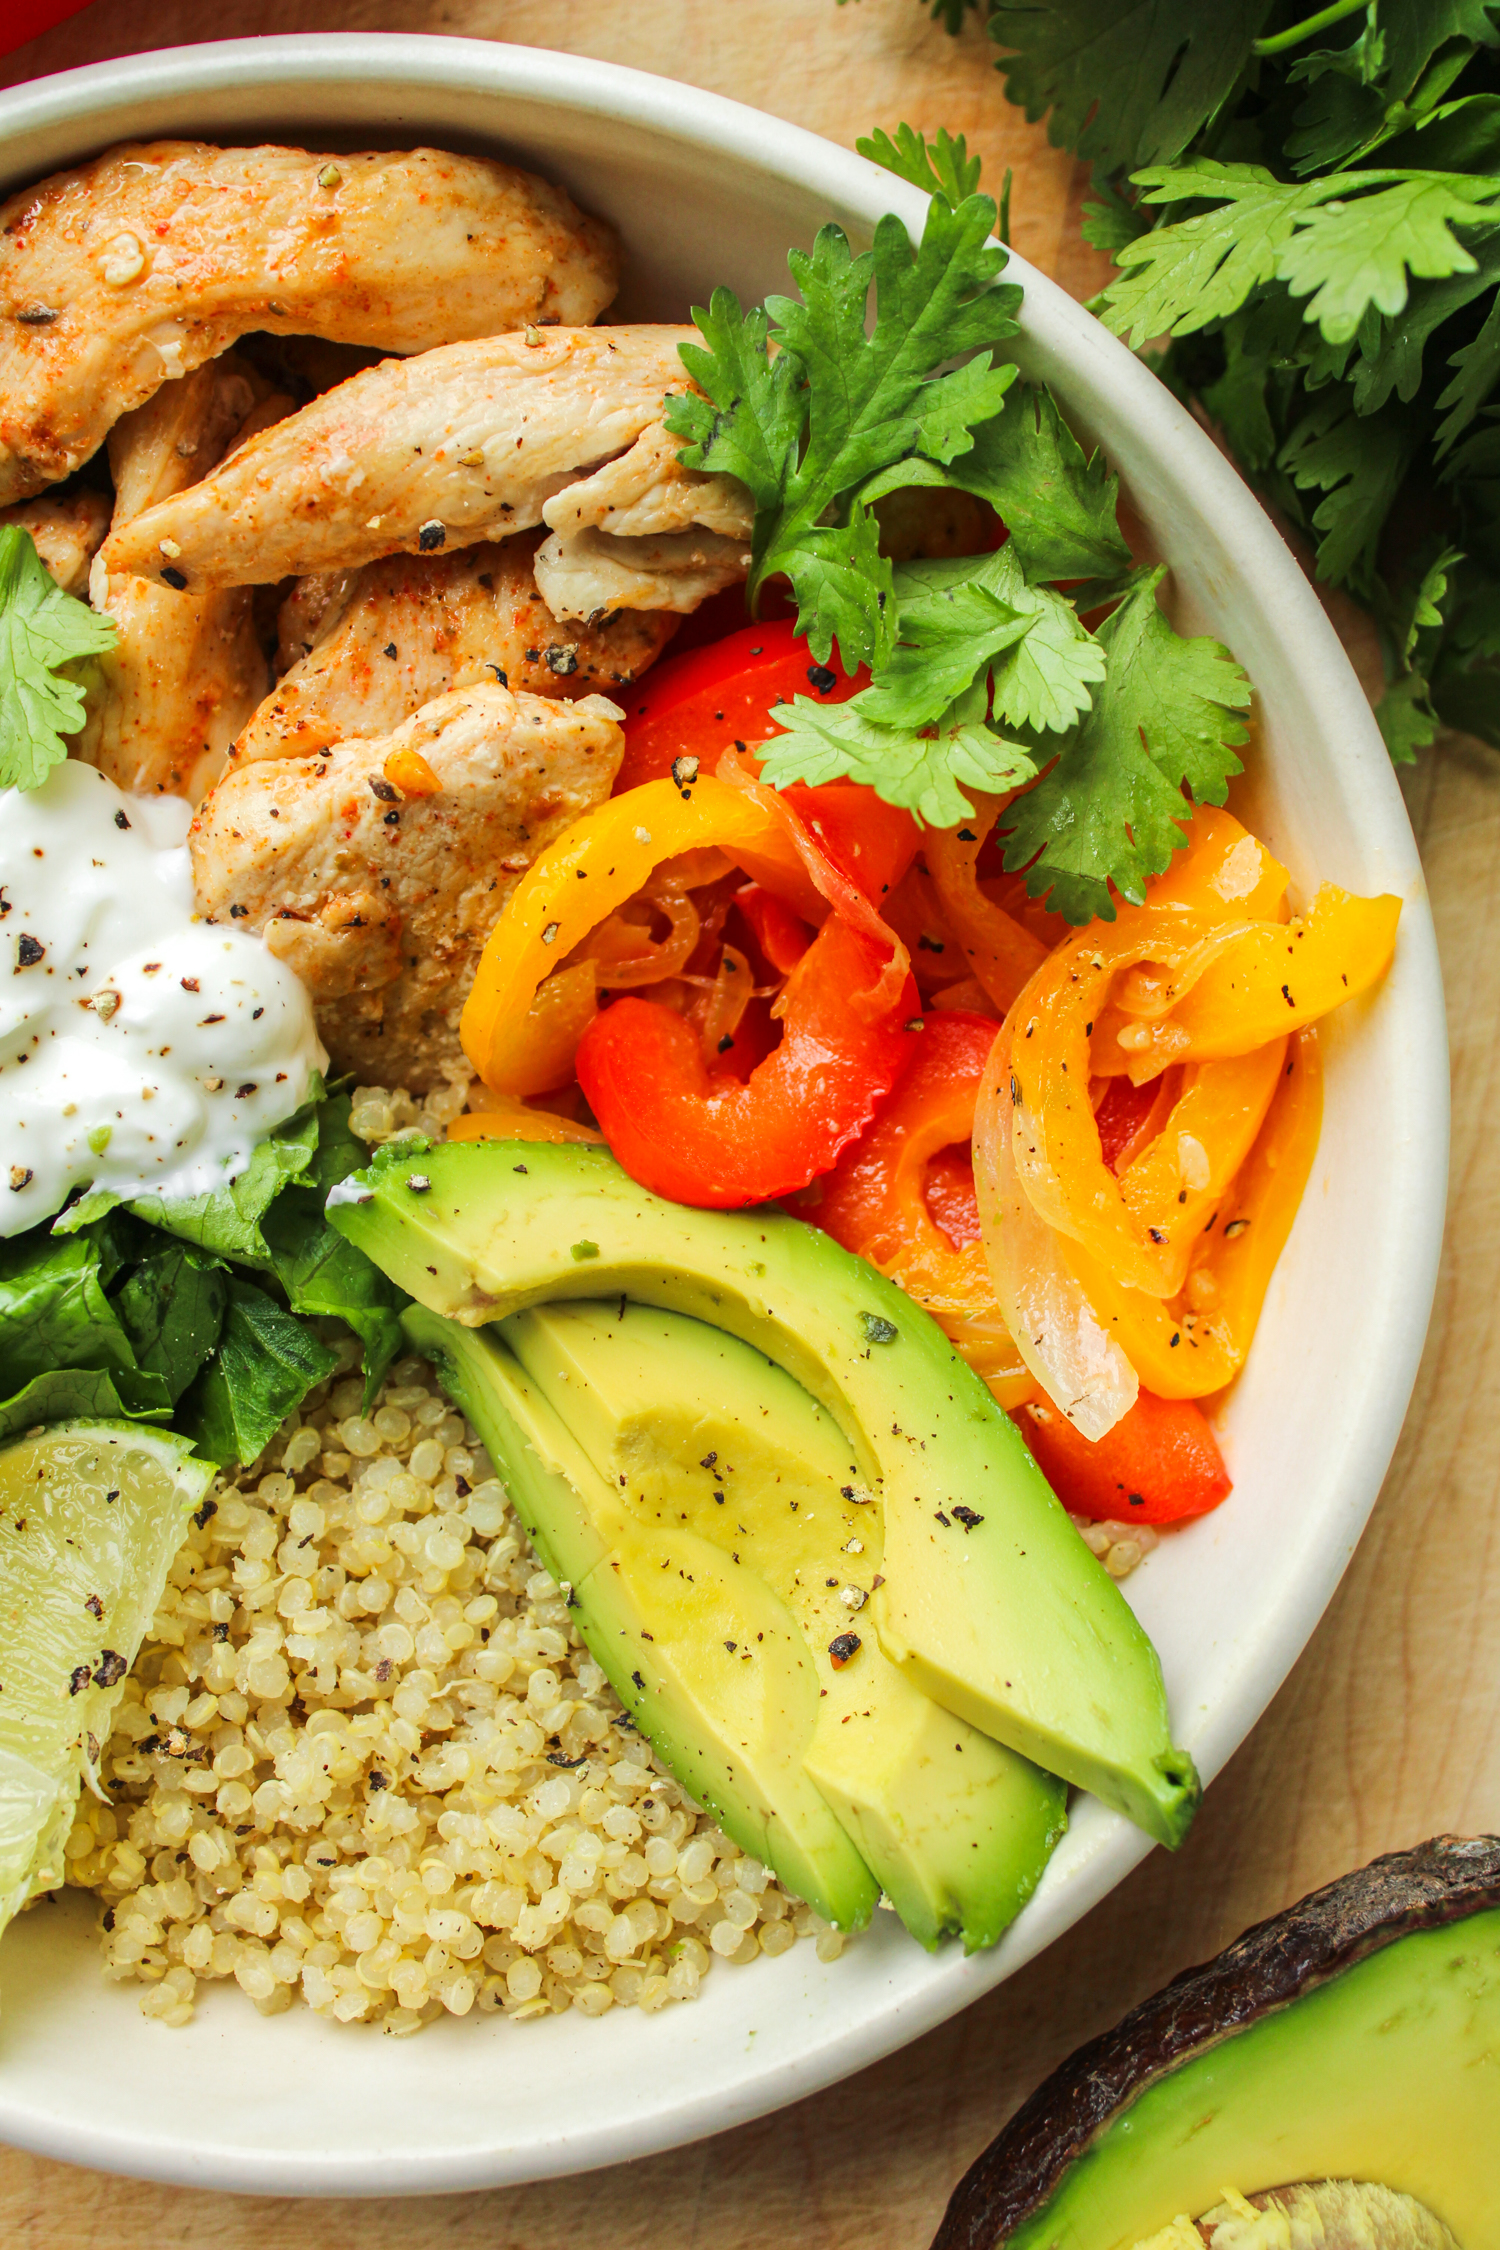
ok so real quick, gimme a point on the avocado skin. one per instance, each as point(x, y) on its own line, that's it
point(1272, 1966)
point(992, 1604)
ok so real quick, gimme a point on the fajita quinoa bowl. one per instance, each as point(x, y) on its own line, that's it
point(413, 1744)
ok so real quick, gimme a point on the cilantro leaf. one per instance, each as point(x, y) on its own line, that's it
point(42, 630)
point(1406, 719)
point(1180, 277)
point(1359, 460)
point(942, 167)
point(927, 772)
point(811, 430)
point(1058, 503)
point(1127, 82)
point(959, 620)
point(1358, 254)
point(1111, 809)
point(972, 634)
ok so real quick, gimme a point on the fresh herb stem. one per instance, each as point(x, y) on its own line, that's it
point(1279, 42)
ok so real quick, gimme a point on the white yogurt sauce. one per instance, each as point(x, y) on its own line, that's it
point(142, 1049)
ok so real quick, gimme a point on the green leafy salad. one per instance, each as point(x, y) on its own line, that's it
point(1304, 209)
point(1049, 662)
point(199, 1313)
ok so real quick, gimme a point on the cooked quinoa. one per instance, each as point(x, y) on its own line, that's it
point(365, 1760)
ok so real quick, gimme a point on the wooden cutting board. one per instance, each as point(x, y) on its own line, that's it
point(1389, 1728)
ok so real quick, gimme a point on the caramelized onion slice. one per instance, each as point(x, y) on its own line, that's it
point(1078, 1364)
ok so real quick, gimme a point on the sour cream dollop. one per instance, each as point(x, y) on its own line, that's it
point(142, 1050)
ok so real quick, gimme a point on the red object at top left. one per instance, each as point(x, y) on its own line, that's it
point(27, 19)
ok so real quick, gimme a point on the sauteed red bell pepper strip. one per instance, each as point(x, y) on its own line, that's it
point(518, 1033)
point(702, 703)
point(706, 1138)
point(875, 1200)
point(1159, 1464)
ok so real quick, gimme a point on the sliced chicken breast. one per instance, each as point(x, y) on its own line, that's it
point(378, 870)
point(644, 533)
point(415, 456)
point(67, 533)
point(411, 627)
point(187, 670)
point(127, 272)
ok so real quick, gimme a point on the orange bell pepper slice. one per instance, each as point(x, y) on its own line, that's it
point(1194, 1345)
point(1000, 953)
point(875, 1200)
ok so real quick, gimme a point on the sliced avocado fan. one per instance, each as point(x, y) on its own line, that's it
point(703, 1655)
point(91, 1515)
point(992, 1605)
point(695, 1433)
point(1340, 2062)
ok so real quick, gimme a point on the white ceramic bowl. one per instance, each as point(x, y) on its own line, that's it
point(706, 191)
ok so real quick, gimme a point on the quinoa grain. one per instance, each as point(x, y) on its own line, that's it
point(364, 1760)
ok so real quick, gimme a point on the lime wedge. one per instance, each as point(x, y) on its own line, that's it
point(91, 1515)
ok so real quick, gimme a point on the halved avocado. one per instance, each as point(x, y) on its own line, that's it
point(992, 1603)
point(1353, 2038)
point(698, 1435)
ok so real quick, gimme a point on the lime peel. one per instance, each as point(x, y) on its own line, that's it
point(91, 1517)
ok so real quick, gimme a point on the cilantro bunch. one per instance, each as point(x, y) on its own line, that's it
point(985, 674)
point(1303, 205)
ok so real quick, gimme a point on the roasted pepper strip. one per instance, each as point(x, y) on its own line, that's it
point(875, 1202)
point(1159, 1464)
point(718, 1142)
point(1196, 1345)
point(1273, 978)
point(592, 869)
point(1001, 954)
point(1140, 1230)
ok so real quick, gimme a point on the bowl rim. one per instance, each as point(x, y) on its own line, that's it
point(56, 109)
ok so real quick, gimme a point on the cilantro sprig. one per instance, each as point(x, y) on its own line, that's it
point(1304, 200)
point(839, 415)
point(985, 677)
point(43, 632)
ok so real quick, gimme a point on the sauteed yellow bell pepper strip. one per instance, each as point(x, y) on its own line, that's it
point(514, 1027)
point(1268, 979)
point(999, 952)
point(1195, 1345)
point(500, 1117)
point(1141, 1230)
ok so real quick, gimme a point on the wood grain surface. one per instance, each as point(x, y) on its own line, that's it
point(1388, 1729)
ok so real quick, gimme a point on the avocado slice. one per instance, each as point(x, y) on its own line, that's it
point(703, 1655)
point(1354, 2037)
point(992, 1603)
point(695, 1431)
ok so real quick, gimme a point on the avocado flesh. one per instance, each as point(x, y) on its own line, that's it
point(694, 1430)
point(703, 1655)
point(1389, 2071)
point(1006, 1620)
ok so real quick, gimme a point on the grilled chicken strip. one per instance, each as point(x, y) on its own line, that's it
point(644, 533)
point(137, 268)
point(187, 670)
point(67, 533)
point(405, 630)
point(465, 443)
point(378, 869)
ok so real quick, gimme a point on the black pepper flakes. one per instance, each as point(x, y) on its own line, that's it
point(110, 1668)
point(79, 1679)
point(967, 1518)
point(384, 791)
point(431, 535)
point(202, 1515)
point(822, 678)
point(28, 952)
point(176, 579)
point(842, 1648)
